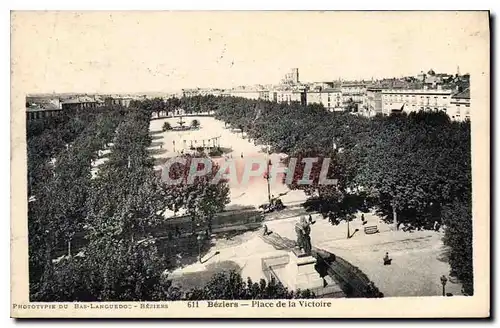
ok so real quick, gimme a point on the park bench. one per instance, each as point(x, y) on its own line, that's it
point(371, 230)
point(329, 280)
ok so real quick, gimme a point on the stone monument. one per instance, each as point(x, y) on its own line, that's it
point(295, 269)
point(302, 262)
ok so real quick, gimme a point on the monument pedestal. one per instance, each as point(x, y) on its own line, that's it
point(302, 271)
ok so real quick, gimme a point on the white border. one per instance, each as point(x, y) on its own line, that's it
point(180, 5)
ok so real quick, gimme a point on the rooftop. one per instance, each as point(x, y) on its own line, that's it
point(78, 100)
point(462, 95)
point(418, 91)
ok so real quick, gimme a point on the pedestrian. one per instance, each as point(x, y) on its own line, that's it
point(363, 221)
point(436, 226)
point(267, 232)
point(387, 260)
point(241, 155)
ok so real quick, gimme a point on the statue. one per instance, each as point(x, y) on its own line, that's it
point(303, 229)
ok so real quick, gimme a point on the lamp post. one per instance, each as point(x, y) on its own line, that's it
point(443, 282)
point(268, 173)
point(198, 239)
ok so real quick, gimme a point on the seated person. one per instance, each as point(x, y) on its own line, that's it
point(267, 232)
point(387, 260)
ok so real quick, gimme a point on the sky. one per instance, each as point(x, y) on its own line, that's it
point(107, 52)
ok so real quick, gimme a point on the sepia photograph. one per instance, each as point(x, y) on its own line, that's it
point(250, 164)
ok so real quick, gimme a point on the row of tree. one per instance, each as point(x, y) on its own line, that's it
point(104, 222)
point(60, 153)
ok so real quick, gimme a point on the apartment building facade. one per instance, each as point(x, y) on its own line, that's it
point(373, 101)
point(460, 106)
point(413, 100)
point(330, 98)
point(355, 92)
point(82, 103)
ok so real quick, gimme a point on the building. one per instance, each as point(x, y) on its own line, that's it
point(329, 97)
point(120, 101)
point(355, 92)
point(264, 95)
point(82, 103)
point(35, 112)
point(433, 79)
point(373, 101)
point(292, 77)
point(288, 94)
point(413, 100)
point(250, 92)
point(460, 106)
point(39, 108)
point(202, 92)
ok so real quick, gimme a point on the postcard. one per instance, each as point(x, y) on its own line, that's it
point(239, 164)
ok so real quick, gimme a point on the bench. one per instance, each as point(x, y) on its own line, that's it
point(371, 230)
point(328, 280)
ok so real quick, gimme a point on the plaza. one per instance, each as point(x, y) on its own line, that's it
point(419, 258)
point(171, 143)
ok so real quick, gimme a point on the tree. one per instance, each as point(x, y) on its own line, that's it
point(425, 164)
point(231, 286)
point(457, 218)
point(195, 124)
point(240, 127)
point(409, 167)
point(202, 199)
point(166, 127)
point(351, 106)
point(109, 270)
point(60, 152)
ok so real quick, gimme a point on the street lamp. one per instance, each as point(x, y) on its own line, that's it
point(268, 173)
point(198, 239)
point(443, 282)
